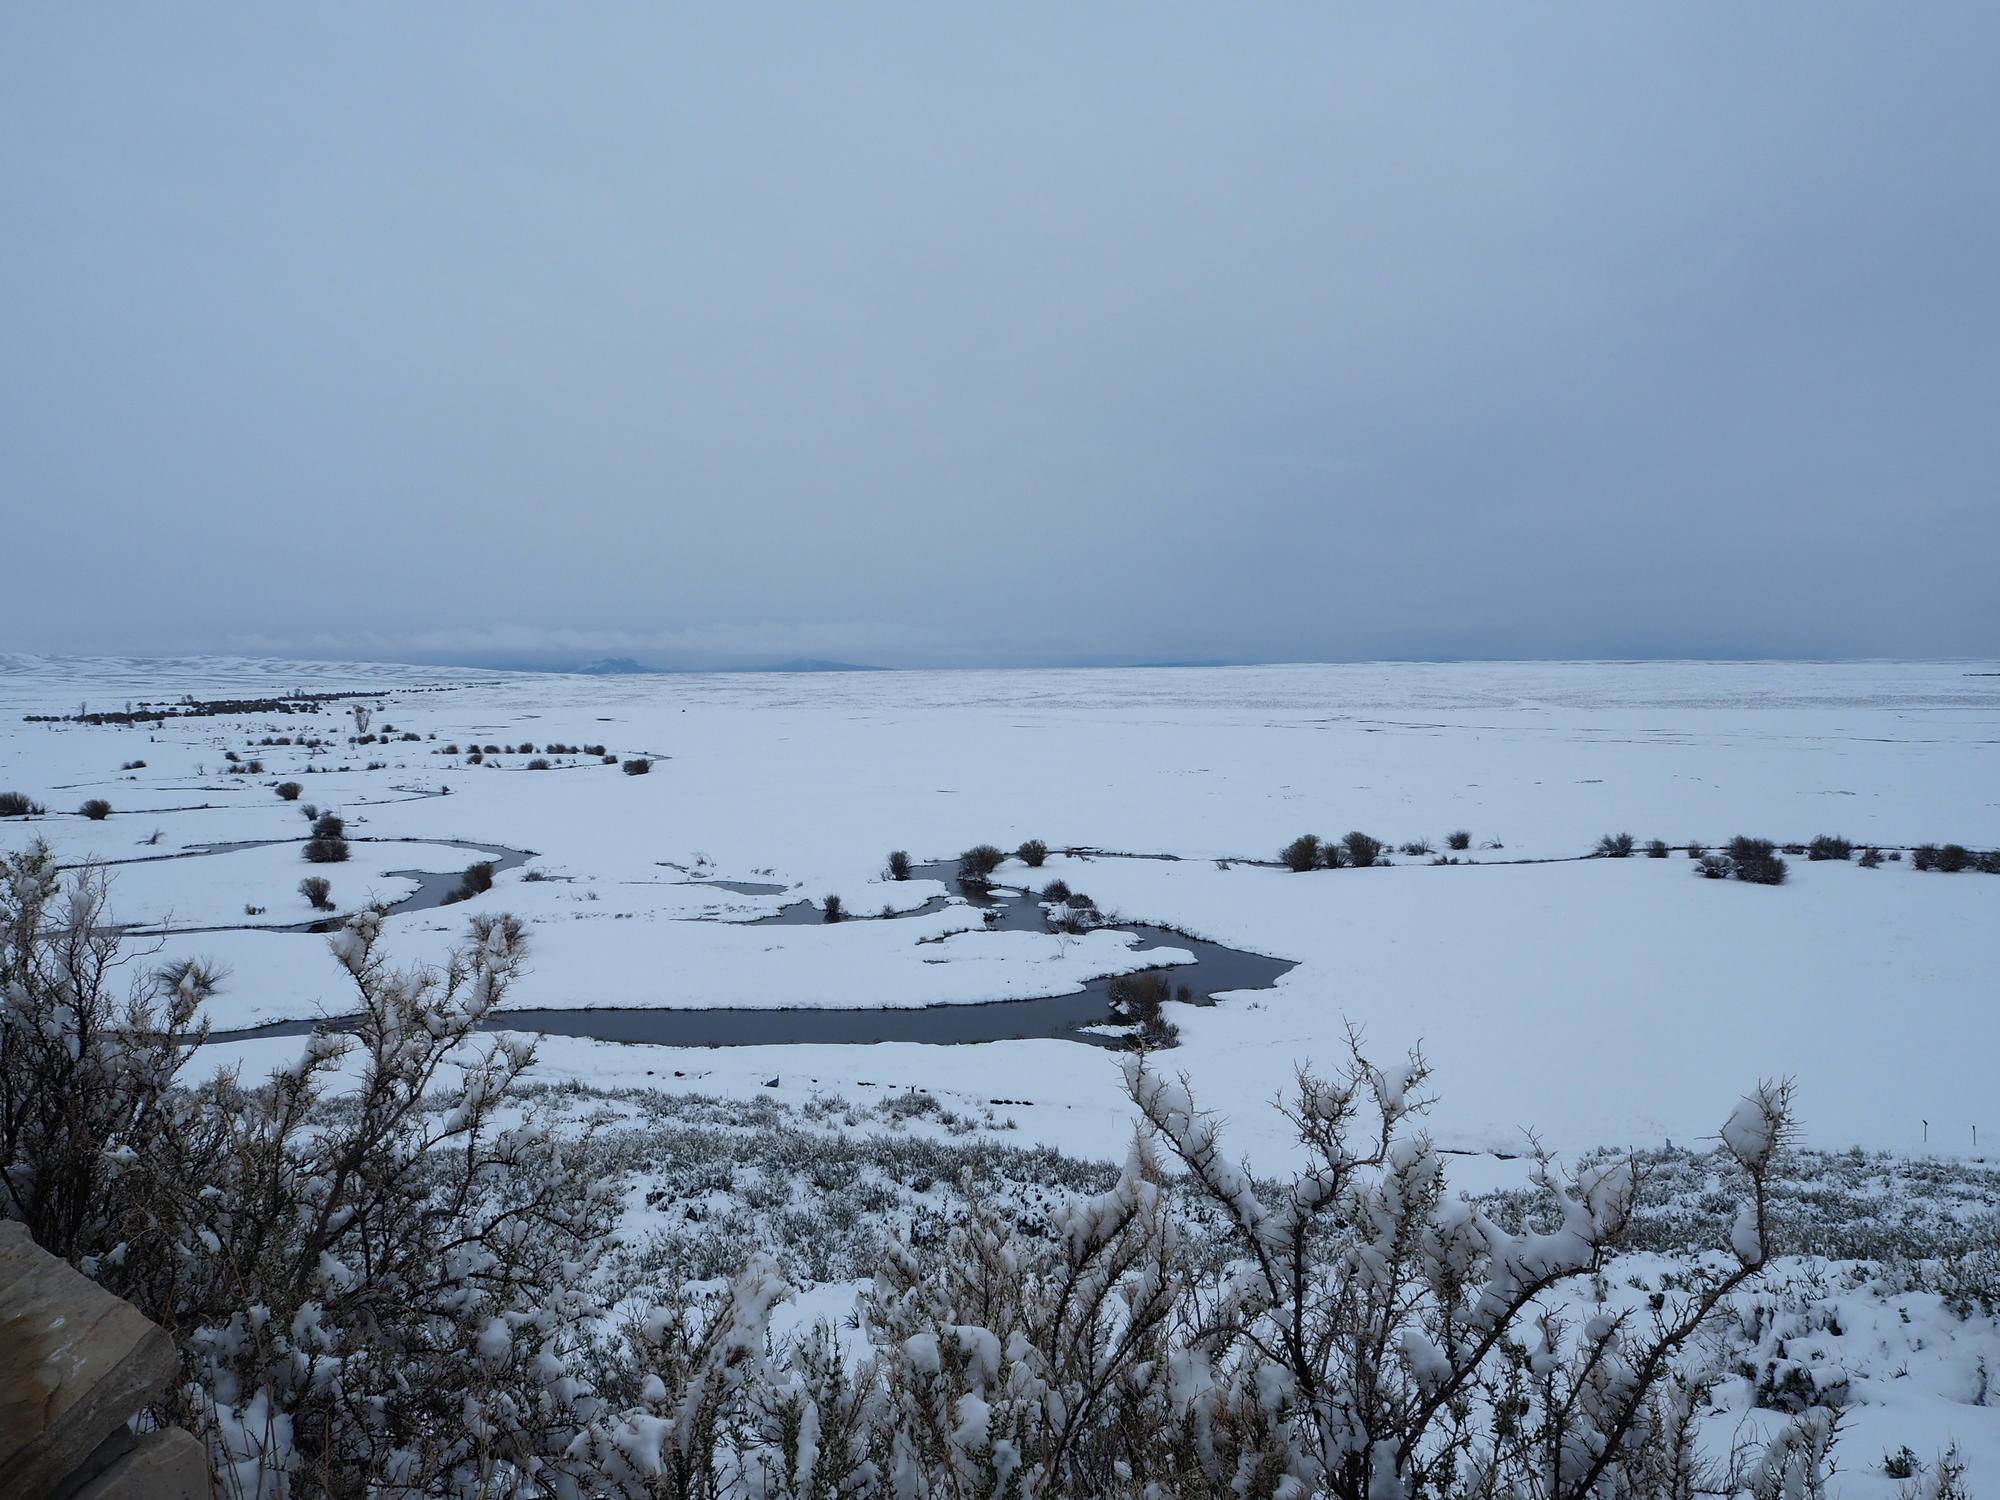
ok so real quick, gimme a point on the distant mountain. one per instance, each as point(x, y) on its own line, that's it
point(813, 664)
point(613, 666)
point(625, 666)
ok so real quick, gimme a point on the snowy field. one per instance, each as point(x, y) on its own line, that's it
point(1601, 1002)
point(1524, 983)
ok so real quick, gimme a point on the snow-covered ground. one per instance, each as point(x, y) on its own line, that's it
point(1601, 1002)
point(1523, 982)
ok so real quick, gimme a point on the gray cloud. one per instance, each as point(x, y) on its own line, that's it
point(923, 334)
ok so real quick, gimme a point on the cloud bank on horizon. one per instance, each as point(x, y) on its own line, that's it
point(914, 336)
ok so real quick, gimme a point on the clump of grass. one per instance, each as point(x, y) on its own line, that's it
point(1332, 854)
point(1697, 851)
point(476, 881)
point(1713, 867)
point(1138, 1000)
point(637, 766)
point(1829, 846)
point(1871, 858)
point(1756, 861)
point(976, 866)
point(1417, 848)
point(899, 864)
point(1362, 850)
point(1032, 853)
point(1459, 839)
point(96, 809)
point(538, 764)
point(1077, 913)
point(1301, 854)
point(1657, 849)
point(1616, 846)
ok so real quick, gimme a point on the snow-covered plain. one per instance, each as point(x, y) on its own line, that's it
point(1600, 1002)
point(1527, 984)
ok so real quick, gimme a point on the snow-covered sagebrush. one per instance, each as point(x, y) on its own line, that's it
point(380, 1291)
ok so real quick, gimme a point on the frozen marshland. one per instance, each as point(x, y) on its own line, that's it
point(1615, 1007)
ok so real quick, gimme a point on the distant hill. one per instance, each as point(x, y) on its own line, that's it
point(625, 666)
point(813, 664)
point(613, 666)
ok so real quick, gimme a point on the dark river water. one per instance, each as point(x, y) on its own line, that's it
point(1216, 970)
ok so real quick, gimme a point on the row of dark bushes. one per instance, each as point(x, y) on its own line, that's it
point(190, 708)
point(553, 747)
point(1755, 860)
point(17, 805)
point(1357, 850)
point(975, 865)
point(1949, 859)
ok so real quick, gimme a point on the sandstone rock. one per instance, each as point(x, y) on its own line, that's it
point(166, 1465)
point(75, 1363)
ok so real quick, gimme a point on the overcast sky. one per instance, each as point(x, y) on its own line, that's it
point(1001, 333)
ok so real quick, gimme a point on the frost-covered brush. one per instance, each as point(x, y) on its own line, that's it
point(404, 1282)
point(1376, 1338)
point(389, 1293)
point(1021, 1368)
point(84, 1072)
point(703, 1407)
